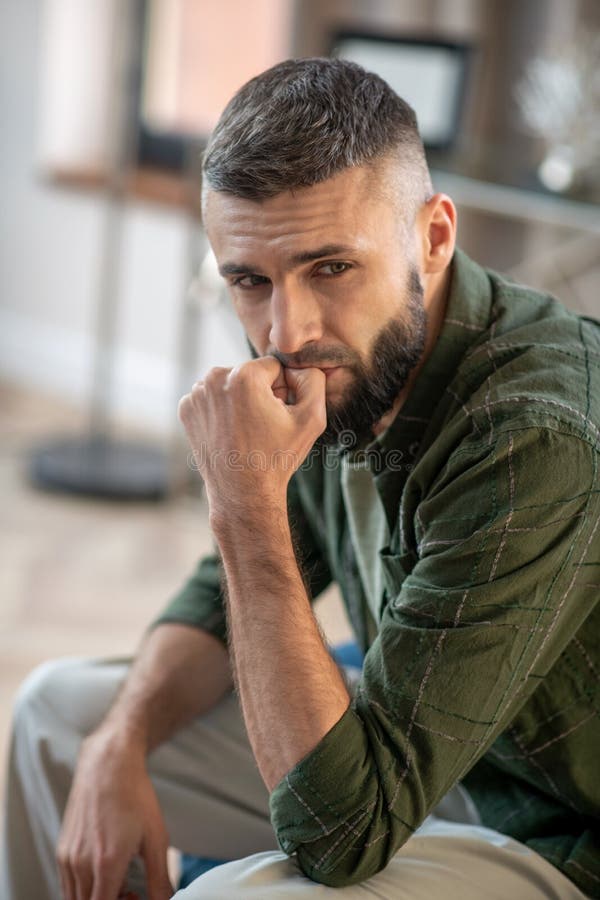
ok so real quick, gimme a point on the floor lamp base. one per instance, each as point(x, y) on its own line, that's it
point(99, 467)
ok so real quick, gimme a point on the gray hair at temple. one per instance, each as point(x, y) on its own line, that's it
point(304, 121)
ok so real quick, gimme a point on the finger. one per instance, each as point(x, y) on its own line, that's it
point(108, 883)
point(67, 882)
point(270, 366)
point(83, 881)
point(214, 378)
point(308, 386)
point(265, 369)
point(157, 874)
point(183, 407)
point(282, 393)
point(259, 375)
point(279, 386)
point(279, 381)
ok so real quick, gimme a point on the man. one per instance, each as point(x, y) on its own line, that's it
point(425, 434)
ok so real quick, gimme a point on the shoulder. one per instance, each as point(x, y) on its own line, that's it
point(537, 364)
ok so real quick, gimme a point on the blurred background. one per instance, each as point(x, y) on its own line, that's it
point(109, 304)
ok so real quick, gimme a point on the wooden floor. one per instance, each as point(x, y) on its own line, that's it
point(82, 577)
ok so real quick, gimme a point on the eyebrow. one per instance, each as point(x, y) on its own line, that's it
point(298, 259)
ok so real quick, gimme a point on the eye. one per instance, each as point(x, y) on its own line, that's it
point(247, 282)
point(335, 268)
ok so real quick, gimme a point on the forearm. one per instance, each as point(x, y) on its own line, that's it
point(291, 692)
point(179, 673)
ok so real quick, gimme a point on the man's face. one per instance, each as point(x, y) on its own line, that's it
point(326, 276)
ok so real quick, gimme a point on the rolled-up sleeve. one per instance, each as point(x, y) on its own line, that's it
point(487, 605)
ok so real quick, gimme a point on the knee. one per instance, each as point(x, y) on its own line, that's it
point(37, 687)
point(44, 694)
point(270, 874)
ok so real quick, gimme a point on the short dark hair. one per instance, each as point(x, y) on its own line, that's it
point(304, 121)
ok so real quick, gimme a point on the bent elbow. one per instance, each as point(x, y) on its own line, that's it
point(351, 858)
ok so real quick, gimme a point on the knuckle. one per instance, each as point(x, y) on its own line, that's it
point(79, 865)
point(216, 375)
point(242, 374)
point(105, 859)
point(184, 408)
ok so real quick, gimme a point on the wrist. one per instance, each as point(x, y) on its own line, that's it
point(118, 736)
point(258, 518)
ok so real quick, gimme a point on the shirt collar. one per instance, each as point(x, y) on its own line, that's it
point(468, 313)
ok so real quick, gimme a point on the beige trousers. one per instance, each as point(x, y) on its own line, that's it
point(215, 805)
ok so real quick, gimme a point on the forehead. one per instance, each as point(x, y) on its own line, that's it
point(342, 210)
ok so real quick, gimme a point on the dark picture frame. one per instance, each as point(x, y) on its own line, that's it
point(458, 53)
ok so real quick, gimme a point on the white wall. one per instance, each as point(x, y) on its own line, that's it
point(50, 257)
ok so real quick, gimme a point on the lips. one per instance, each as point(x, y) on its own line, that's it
point(328, 371)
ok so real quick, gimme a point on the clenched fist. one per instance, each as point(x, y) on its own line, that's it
point(246, 440)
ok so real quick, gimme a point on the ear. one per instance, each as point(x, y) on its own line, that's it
point(437, 228)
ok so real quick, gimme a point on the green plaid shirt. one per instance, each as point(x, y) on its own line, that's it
point(482, 653)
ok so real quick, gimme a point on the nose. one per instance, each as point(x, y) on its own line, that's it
point(295, 318)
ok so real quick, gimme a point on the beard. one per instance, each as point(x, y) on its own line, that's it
point(395, 352)
point(376, 383)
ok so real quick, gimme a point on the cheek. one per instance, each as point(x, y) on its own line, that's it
point(256, 322)
point(357, 331)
